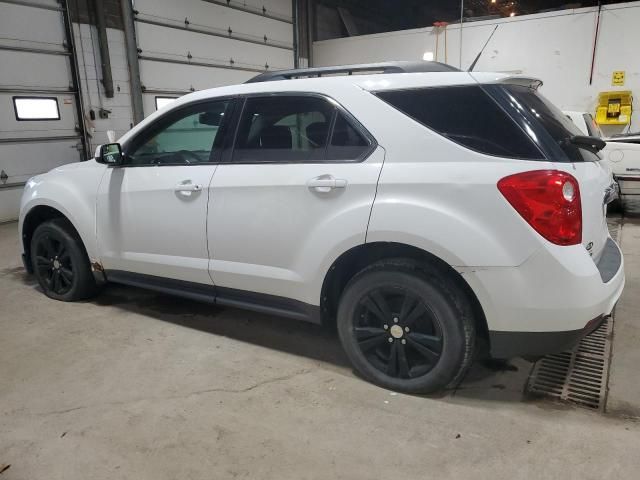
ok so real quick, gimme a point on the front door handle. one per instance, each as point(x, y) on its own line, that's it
point(186, 188)
point(326, 183)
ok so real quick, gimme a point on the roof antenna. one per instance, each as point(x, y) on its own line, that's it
point(470, 69)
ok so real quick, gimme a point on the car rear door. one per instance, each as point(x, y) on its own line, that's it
point(299, 184)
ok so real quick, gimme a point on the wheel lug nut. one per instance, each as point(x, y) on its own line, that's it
point(385, 326)
point(406, 329)
point(404, 342)
point(390, 339)
point(395, 319)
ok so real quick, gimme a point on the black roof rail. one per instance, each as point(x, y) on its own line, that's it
point(383, 67)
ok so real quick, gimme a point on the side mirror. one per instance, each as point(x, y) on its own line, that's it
point(109, 154)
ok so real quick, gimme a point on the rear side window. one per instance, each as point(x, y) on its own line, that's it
point(551, 118)
point(467, 116)
point(346, 142)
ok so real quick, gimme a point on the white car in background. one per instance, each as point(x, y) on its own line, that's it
point(623, 153)
point(424, 210)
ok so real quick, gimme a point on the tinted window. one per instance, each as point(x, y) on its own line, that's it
point(465, 115)
point(346, 142)
point(190, 136)
point(552, 120)
point(283, 129)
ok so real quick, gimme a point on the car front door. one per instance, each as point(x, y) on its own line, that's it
point(152, 210)
point(297, 189)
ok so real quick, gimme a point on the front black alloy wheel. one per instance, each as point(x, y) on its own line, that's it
point(53, 264)
point(60, 262)
point(407, 326)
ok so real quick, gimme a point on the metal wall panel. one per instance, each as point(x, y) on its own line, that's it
point(27, 69)
point(198, 44)
point(45, 28)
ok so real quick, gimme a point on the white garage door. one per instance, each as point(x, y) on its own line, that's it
point(197, 44)
point(39, 127)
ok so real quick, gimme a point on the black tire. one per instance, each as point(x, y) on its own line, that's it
point(60, 262)
point(429, 340)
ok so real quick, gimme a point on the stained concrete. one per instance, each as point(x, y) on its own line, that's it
point(136, 385)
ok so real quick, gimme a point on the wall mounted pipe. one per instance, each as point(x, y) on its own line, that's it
point(103, 45)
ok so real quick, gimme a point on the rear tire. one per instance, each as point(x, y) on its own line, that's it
point(60, 262)
point(407, 326)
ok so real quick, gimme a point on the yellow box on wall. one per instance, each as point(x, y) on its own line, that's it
point(614, 108)
point(617, 78)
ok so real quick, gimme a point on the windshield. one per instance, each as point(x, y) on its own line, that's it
point(552, 120)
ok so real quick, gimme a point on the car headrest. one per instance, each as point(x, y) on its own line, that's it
point(276, 136)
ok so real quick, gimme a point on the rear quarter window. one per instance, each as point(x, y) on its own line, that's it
point(467, 116)
point(551, 119)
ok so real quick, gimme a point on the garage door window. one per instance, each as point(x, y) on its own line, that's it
point(36, 108)
point(283, 129)
point(164, 101)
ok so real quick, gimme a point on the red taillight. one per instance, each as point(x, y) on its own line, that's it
point(549, 200)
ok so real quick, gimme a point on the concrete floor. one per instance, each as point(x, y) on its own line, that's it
point(136, 385)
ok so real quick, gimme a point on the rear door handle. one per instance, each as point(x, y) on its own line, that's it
point(326, 183)
point(186, 188)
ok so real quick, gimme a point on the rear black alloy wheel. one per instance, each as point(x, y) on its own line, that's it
point(397, 333)
point(54, 264)
point(60, 262)
point(407, 326)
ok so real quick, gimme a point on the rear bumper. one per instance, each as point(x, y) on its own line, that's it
point(551, 301)
point(537, 344)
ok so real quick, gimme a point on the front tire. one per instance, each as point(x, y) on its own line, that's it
point(60, 262)
point(407, 326)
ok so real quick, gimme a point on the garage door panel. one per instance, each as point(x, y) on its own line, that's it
point(9, 202)
point(24, 69)
point(23, 160)
point(160, 76)
point(34, 26)
point(10, 127)
point(154, 39)
point(220, 17)
point(35, 71)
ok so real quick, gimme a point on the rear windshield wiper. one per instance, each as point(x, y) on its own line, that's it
point(593, 144)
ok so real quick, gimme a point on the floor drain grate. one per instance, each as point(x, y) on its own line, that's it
point(579, 375)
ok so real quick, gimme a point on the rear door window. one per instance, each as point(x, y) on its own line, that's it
point(467, 116)
point(283, 128)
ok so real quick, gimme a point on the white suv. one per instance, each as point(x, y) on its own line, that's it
point(421, 208)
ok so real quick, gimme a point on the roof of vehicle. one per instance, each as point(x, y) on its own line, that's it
point(404, 75)
point(382, 67)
